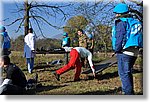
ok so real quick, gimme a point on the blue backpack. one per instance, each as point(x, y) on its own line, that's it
point(134, 35)
point(66, 42)
point(6, 41)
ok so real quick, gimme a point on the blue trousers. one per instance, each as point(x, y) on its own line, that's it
point(125, 66)
point(30, 64)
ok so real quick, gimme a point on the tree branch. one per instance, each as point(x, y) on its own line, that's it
point(20, 25)
point(14, 21)
point(38, 26)
point(48, 6)
point(45, 21)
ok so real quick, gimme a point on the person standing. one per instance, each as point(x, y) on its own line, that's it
point(5, 41)
point(29, 49)
point(66, 40)
point(82, 38)
point(15, 81)
point(126, 40)
point(90, 43)
point(75, 54)
point(66, 43)
point(82, 43)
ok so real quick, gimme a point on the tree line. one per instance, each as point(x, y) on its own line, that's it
point(44, 43)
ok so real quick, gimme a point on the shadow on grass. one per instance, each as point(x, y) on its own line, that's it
point(107, 75)
point(116, 91)
point(44, 67)
point(41, 88)
point(101, 76)
point(47, 88)
point(41, 68)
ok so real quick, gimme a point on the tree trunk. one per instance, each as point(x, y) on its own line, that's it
point(104, 43)
point(26, 23)
point(105, 46)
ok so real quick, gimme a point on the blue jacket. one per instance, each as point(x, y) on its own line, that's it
point(126, 32)
point(5, 40)
point(120, 32)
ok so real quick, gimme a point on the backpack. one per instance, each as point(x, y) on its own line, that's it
point(134, 35)
point(66, 42)
point(6, 41)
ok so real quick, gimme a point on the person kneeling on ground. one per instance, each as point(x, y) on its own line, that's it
point(15, 81)
point(75, 55)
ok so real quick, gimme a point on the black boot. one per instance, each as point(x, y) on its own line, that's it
point(57, 76)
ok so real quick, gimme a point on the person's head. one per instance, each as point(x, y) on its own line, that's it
point(2, 28)
point(80, 32)
point(121, 9)
point(4, 60)
point(30, 30)
point(65, 34)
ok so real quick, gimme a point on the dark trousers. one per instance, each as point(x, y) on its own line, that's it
point(9, 89)
point(6, 52)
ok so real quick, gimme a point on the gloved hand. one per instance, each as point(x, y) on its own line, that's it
point(94, 74)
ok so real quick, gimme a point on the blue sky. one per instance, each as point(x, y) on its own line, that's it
point(9, 7)
point(8, 16)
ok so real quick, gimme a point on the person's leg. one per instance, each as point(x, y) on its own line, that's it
point(131, 62)
point(125, 65)
point(66, 58)
point(9, 89)
point(6, 51)
point(32, 63)
point(77, 69)
point(120, 67)
point(29, 65)
point(73, 57)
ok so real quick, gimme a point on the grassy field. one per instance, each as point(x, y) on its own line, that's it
point(107, 82)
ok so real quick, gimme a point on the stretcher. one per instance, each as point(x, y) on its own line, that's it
point(99, 67)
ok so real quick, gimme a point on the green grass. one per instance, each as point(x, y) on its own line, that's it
point(107, 82)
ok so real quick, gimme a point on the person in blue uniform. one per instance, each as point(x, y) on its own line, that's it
point(66, 40)
point(126, 47)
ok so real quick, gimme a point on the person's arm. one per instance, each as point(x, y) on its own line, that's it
point(32, 41)
point(120, 33)
point(62, 43)
point(85, 41)
point(92, 46)
point(91, 63)
point(68, 42)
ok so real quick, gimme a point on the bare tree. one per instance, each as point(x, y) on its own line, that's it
point(39, 13)
point(100, 13)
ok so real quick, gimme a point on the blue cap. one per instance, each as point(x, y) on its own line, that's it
point(121, 8)
point(65, 34)
point(2, 28)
